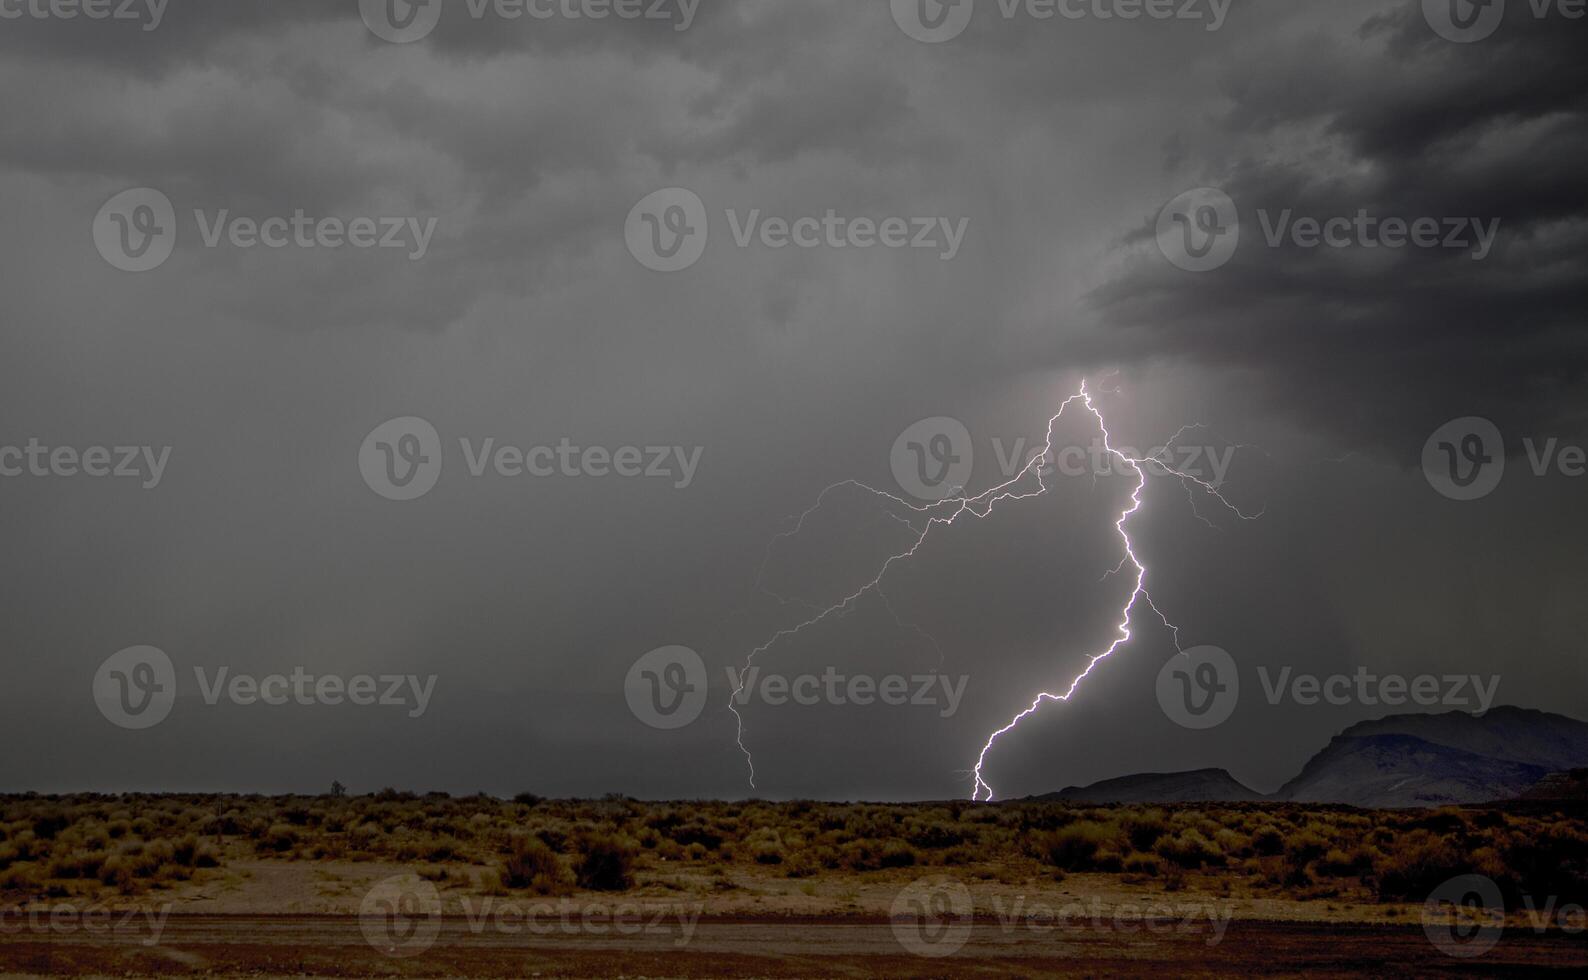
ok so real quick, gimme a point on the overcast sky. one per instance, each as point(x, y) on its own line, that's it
point(519, 308)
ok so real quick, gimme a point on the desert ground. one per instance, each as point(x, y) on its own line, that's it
point(393, 884)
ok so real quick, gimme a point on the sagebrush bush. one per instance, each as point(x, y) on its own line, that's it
point(1419, 866)
point(1338, 863)
point(1078, 846)
point(861, 855)
point(1303, 848)
point(607, 864)
point(1143, 830)
point(1145, 864)
point(65, 846)
point(898, 854)
point(1268, 840)
point(1189, 849)
point(278, 837)
point(1553, 861)
point(530, 864)
point(766, 852)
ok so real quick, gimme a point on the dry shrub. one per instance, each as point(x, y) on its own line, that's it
point(278, 837)
point(1305, 847)
point(696, 832)
point(1552, 862)
point(1189, 849)
point(1142, 864)
point(607, 864)
point(935, 836)
point(861, 855)
point(801, 866)
point(1338, 863)
point(766, 852)
point(1082, 846)
point(529, 863)
point(765, 846)
point(60, 845)
point(1143, 830)
point(1268, 840)
point(898, 854)
point(1421, 864)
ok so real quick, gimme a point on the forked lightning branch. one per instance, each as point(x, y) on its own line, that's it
point(1030, 482)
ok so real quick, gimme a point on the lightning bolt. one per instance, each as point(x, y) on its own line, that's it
point(946, 513)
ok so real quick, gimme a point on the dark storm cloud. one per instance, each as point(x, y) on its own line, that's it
point(516, 135)
point(151, 37)
point(528, 320)
point(1384, 346)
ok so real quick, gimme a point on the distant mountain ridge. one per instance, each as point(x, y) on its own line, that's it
point(1396, 761)
point(1536, 738)
point(1571, 785)
point(1403, 770)
point(1199, 786)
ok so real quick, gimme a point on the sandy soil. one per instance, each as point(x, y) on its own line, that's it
point(336, 947)
point(339, 888)
point(272, 918)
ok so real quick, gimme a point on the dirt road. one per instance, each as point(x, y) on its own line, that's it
point(455, 946)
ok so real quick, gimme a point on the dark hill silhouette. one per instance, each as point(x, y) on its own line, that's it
point(1397, 761)
point(1200, 786)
